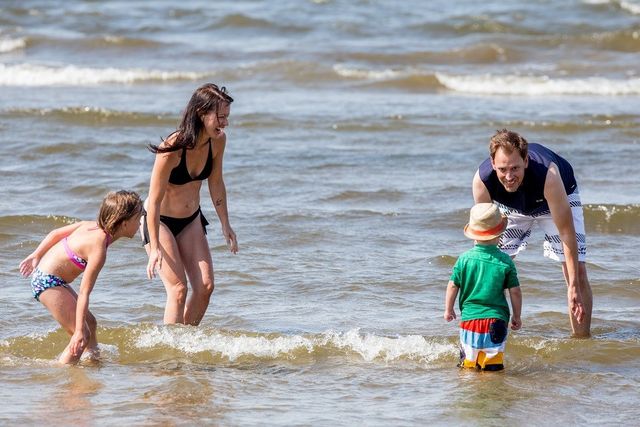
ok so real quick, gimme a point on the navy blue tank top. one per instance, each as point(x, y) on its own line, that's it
point(529, 198)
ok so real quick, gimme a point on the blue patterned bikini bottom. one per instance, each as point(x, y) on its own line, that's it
point(41, 281)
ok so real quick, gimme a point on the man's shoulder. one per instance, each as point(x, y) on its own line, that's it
point(485, 169)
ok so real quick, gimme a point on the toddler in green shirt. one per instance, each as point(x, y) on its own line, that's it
point(480, 277)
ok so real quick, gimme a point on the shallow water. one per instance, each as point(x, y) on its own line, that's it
point(355, 133)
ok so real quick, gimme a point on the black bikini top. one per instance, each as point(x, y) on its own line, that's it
point(180, 174)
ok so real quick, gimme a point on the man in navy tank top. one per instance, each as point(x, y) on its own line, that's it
point(533, 185)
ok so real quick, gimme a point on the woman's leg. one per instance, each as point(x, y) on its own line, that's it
point(197, 261)
point(173, 277)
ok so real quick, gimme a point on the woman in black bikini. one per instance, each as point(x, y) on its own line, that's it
point(174, 228)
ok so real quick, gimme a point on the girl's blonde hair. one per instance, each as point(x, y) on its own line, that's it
point(116, 207)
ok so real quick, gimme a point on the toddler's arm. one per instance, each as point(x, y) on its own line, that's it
point(450, 299)
point(515, 294)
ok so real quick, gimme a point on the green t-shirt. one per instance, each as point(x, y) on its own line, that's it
point(482, 274)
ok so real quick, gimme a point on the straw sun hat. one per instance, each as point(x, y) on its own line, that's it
point(485, 222)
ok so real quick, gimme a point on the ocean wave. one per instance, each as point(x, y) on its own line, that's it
point(148, 343)
point(476, 24)
point(359, 73)
point(122, 41)
point(212, 346)
point(613, 219)
point(19, 226)
point(579, 123)
point(408, 78)
point(55, 220)
point(599, 217)
point(632, 7)
point(480, 53)
point(8, 45)
point(240, 20)
point(629, 6)
point(366, 196)
point(537, 85)
point(92, 116)
point(622, 40)
point(70, 75)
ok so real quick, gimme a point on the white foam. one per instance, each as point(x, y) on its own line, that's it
point(627, 5)
point(231, 347)
point(538, 85)
point(8, 45)
point(70, 75)
point(356, 73)
point(369, 346)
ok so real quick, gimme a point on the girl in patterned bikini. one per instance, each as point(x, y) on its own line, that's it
point(67, 252)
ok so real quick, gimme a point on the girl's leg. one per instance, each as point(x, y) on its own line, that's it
point(173, 277)
point(92, 323)
point(61, 303)
point(197, 262)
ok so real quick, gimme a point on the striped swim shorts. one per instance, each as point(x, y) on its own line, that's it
point(514, 239)
point(482, 343)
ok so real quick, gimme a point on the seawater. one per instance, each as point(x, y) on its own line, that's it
point(355, 133)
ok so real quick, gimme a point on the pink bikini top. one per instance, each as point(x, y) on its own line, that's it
point(80, 262)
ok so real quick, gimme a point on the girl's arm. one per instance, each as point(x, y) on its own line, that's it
point(81, 335)
point(162, 167)
point(449, 301)
point(218, 193)
point(31, 262)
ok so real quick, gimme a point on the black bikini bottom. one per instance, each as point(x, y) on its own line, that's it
point(175, 225)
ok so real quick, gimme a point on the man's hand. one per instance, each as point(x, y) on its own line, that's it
point(575, 303)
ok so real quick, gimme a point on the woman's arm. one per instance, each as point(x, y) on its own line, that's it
point(218, 193)
point(31, 262)
point(162, 167)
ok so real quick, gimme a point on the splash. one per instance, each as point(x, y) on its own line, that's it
point(234, 345)
point(9, 45)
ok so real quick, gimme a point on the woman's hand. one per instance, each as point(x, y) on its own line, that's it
point(155, 260)
point(230, 237)
point(29, 264)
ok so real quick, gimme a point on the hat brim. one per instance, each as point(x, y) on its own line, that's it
point(472, 234)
